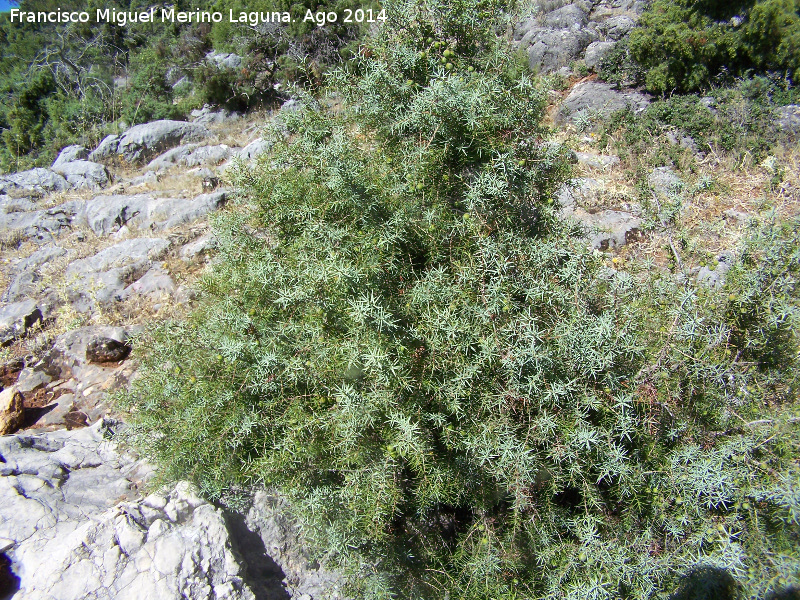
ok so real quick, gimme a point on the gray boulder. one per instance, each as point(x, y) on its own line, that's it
point(789, 121)
point(107, 214)
point(595, 52)
point(106, 149)
point(28, 273)
point(571, 16)
point(84, 174)
point(37, 180)
point(600, 99)
point(142, 142)
point(551, 49)
point(40, 225)
point(597, 161)
point(14, 205)
point(208, 116)
point(70, 353)
point(16, 319)
point(575, 193)
point(171, 157)
point(100, 279)
point(610, 229)
point(156, 284)
point(254, 149)
point(618, 26)
point(714, 276)
point(191, 155)
point(76, 527)
point(39, 258)
point(199, 246)
point(12, 410)
point(69, 154)
point(225, 60)
point(664, 181)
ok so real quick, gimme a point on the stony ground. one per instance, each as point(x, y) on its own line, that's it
point(111, 239)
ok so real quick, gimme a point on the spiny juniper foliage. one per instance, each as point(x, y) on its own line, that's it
point(459, 398)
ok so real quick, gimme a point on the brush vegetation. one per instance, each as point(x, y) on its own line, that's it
point(460, 399)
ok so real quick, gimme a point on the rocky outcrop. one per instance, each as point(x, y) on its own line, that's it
point(209, 116)
point(788, 121)
point(224, 60)
point(142, 142)
point(101, 278)
point(70, 154)
point(254, 149)
point(83, 174)
point(16, 318)
point(40, 225)
point(582, 30)
point(663, 181)
point(12, 410)
point(75, 524)
point(40, 181)
point(106, 149)
point(605, 229)
point(191, 155)
point(107, 214)
point(594, 99)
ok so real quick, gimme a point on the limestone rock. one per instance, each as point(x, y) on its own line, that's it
point(551, 49)
point(200, 246)
point(74, 525)
point(12, 205)
point(572, 194)
point(40, 225)
point(664, 181)
point(595, 52)
point(254, 149)
point(571, 16)
point(303, 578)
point(597, 161)
point(714, 277)
point(142, 142)
point(208, 116)
point(618, 26)
point(36, 180)
point(106, 214)
point(72, 351)
point(155, 284)
point(191, 155)
point(16, 319)
point(69, 154)
point(597, 98)
point(101, 278)
point(12, 410)
point(84, 174)
point(225, 60)
point(106, 149)
point(789, 121)
point(610, 229)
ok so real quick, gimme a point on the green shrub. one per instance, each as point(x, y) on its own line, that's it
point(148, 96)
point(459, 398)
point(686, 46)
point(739, 122)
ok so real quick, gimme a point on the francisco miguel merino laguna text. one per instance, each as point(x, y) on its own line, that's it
point(170, 15)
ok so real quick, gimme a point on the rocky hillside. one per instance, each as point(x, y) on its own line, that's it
point(95, 248)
